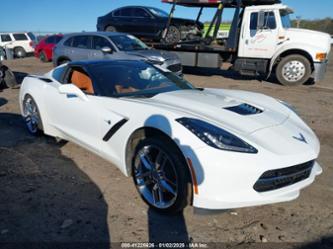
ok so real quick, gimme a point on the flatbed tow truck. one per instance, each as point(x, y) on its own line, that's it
point(261, 41)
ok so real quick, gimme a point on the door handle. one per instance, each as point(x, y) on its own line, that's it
point(246, 42)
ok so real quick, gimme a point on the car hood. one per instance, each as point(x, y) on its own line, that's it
point(222, 108)
point(320, 40)
point(154, 55)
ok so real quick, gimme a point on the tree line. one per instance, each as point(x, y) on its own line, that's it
point(324, 25)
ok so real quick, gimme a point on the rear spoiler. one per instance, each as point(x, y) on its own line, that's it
point(215, 3)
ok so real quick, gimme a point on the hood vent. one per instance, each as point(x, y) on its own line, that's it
point(244, 109)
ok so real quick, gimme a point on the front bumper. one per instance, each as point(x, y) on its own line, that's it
point(320, 69)
point(229, 181)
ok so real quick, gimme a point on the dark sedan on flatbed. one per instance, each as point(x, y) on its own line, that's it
point(149, 23)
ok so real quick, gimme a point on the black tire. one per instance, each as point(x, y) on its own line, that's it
point(34, 128)
point(293, 70)
point(173, 36)
point(10, 79)
point(177, 165)
point(110, 29)
point(43, 57)
point(19, 52)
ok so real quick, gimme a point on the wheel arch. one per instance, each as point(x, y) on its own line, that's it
point(285, 53)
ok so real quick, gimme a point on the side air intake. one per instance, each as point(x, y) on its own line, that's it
point(244, 109)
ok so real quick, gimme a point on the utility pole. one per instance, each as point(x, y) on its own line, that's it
point(298, 21)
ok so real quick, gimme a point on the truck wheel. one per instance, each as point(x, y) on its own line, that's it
point(110, 29)
point(173, 36)
point(19, 52)
point(293, 70)
point(10, 79)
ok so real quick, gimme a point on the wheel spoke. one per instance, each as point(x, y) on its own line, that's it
point(167, 187)
point(146, 162)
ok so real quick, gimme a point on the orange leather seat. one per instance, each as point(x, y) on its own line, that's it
point(82, 81)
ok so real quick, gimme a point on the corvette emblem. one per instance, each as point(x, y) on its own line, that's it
point(301, 138)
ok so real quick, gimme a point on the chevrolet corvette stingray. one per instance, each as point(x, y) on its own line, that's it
point(210, 148)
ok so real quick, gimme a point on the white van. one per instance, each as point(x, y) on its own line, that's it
point(22, 43)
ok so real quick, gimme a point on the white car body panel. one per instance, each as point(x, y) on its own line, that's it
point(225, 179)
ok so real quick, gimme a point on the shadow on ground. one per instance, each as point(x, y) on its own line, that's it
point(3, 101)
point(44, 196)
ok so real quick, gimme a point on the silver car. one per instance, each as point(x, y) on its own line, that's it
point(111, 45)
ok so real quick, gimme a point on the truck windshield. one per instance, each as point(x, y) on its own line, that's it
point(285, 19)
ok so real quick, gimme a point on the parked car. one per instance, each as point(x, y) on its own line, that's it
point(21, 43)
point(215, 148)
point(111, 45)
point(44, 49)
point(149, 23)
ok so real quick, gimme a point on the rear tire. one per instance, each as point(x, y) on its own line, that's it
point(165, 184)
point(43, 57)
point(293, 70)
point(19, 52)
point(32, 116)
point(110, 29)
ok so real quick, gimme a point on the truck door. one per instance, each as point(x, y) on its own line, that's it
point(256, 41)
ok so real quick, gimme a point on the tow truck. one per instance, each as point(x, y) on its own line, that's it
point(261, 42)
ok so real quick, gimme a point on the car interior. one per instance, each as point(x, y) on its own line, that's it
point(79, 78)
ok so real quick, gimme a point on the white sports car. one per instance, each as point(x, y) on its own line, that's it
point(212, 148)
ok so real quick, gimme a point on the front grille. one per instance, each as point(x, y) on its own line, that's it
point(244, 109)
point(175, 67)
point(275, 179)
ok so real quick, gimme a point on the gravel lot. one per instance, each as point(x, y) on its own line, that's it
point(62, 193)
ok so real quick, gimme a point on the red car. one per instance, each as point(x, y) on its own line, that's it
point(44, 48)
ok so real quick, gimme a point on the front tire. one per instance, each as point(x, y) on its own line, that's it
point(161, 176)
point(293, 70)
point(32, 116)
point(173, 36)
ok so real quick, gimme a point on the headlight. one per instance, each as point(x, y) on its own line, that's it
point(289, 106)
point(215, 136)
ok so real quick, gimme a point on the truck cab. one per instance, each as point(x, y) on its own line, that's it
point(261, 41)
point(294, 54)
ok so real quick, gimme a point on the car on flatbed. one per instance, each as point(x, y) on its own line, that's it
point(149, 23)
point(111, 45)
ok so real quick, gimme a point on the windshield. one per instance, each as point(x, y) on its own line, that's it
point(285, 19)
point(158, 12)
point(128, 43)
point(135, 79)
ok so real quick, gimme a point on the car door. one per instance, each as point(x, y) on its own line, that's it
point(143, 23)
point(84, 121)
point(99, 42)
point(81, 46)
point(48, 46)
point(259, 43)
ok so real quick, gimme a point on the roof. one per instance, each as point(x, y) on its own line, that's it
point(101, 62)
point(215, 3)
point(95, 33)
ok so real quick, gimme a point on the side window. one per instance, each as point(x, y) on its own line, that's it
point(6, 38)
point(82, 41)
point(69, 42)
point(139, 12)
point(49, 40)
point(78, 77)
point(270, 21)
point(58, 73)
point(117, 12)
point(20, 37)
point(126, 12)
point(100, 42)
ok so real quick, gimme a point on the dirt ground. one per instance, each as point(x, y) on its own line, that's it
point(62, 193)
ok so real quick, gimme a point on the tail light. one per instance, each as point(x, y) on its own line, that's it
point(32, 44)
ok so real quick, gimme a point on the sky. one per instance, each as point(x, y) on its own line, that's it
point(81, 15)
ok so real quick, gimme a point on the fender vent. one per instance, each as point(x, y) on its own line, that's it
point(244, 109)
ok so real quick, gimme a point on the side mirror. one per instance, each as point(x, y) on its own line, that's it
point(261, 20)
point(72, 91)
point(106, 50)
